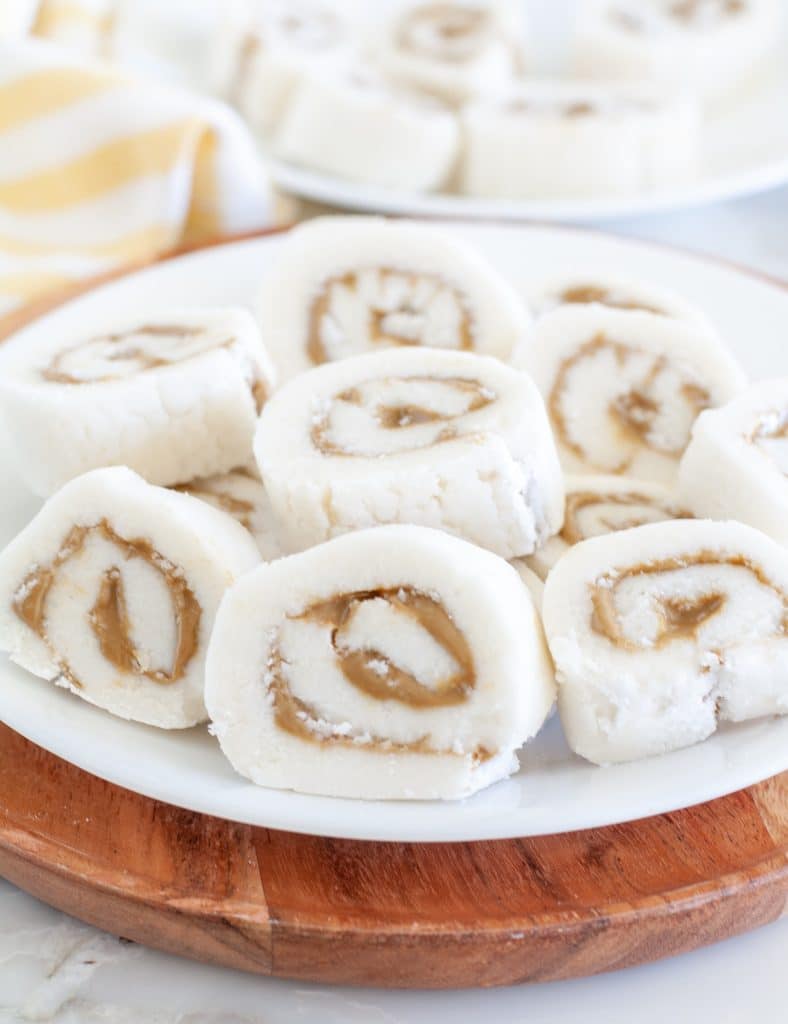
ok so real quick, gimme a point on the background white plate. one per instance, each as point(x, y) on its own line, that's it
point(554, 791)
point(746, 151)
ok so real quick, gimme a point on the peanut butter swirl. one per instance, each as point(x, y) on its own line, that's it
point(643, 509)
point(635, 410)
point(108, 618)
point(116, 356)
point(373, 673)
point(585, 294)
point(447, 32)
point(687, 13)
point(401, 416)
point(214, 493)
point(767, 435)
point(401, 308)
point(679, 618)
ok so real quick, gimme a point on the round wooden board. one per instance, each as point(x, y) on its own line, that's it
point(387, 914)
point(390, 914)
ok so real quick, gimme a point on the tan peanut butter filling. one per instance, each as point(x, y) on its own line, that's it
point(400, 416)
point(578, 502)
point(402, 308)
point(688, 13)
point(108, 618)
point(585, 294)
point(633, 412)
point(239, 508)
point(769, 431)
point(121, 355)
point(373, 673)
point(446, 32)
point(679, 617)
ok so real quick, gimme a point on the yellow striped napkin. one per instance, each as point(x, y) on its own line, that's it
point(84, 25)
point(98, 170)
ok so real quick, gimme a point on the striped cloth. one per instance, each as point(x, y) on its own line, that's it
point(98, 170)
point(83, 25)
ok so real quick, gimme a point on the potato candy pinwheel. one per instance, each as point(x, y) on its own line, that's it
point(568, 139)
point(453, 50)
point(736, 465)
point(442, 439)
point(172, 395)
point(342, 286)
point(599, 504)
point(111, 592)
point(623, 388)
point(394, 663)
point(709, 46)
point(661, 632)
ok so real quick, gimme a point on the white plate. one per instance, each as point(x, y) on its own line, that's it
point(745, 151)
point(554, 791)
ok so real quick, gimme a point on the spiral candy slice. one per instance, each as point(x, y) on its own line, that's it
point(264, 50)
point(661, 632)
point(111, 592)
point(736, 465)
point(614, 291)
point(241, 495)
point(568, 139)
point(710, 46)
point(597, 504)
point(342, 286)
point(623, 388)
point(172, 395)
point(391, 663)
point(452, 50)
point(450, 440)
point(351, 122)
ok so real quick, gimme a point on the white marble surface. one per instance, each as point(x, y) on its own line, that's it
point(55, 969)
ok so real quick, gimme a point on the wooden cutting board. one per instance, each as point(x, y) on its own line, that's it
point(388, 914)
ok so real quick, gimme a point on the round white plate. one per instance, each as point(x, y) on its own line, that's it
point(555, 791)
point(745, 151)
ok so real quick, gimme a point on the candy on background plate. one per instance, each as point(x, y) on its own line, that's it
point(556, 139)
point(712, 46)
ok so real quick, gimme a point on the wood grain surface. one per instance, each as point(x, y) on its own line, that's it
point(388, 914)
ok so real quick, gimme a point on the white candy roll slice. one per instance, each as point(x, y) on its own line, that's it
point(709, 46)
point(443, 439)
point(342, 286)
point(736, 465)
point(242, 496)
point(354, 124)
point(111, 592)
point(394, 663)
point(615, 291)
point(623, 389)
point(173, 395)
point(598, 504)
point(263, 50)
point(453, 50)
point(661, 632)
point(560, 139)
